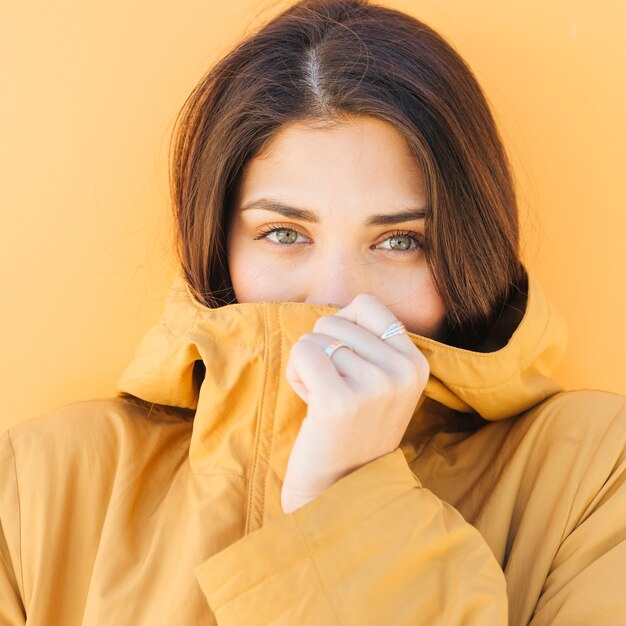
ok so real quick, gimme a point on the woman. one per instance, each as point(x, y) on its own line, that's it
point(346, 414)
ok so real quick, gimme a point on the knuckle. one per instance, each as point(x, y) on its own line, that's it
point(419, 361)
point(365, 298)
point(423, 365)
point(413, 372)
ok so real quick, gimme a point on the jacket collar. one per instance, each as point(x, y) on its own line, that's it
point(244, 348)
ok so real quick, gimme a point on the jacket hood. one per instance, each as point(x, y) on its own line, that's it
point(245, 346)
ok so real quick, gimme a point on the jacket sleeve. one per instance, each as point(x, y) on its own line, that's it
point(374, 548)
point(12, 612)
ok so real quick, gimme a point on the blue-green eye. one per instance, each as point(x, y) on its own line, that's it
point(403, 241)
point(284, 235)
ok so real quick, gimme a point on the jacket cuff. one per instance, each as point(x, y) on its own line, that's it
point(282, 549)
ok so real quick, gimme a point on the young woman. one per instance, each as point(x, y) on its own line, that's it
point(346, 414)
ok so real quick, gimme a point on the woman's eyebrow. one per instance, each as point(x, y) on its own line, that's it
point(305, 215)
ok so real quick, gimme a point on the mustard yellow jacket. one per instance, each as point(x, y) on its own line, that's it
point(504, 504)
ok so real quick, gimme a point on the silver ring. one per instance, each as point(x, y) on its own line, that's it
point(335, 345)
point(397, 328)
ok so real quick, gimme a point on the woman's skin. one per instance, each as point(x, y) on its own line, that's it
point(325, 252)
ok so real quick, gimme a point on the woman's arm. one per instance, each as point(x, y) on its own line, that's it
point(374, 548)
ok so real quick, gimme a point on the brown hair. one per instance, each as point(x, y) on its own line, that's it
point(322, 61)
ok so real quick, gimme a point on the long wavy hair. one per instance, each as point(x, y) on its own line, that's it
point(323, 61)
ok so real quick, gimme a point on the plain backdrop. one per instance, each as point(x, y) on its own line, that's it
point(89, 96)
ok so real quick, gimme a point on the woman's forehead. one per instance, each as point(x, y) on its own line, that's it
point(362, 163)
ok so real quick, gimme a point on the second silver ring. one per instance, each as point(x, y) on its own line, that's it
point(397, 328)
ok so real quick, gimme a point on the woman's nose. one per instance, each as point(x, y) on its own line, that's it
point(336, 284)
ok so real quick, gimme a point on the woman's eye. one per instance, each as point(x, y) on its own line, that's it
point(282, 235)
point(402, 242)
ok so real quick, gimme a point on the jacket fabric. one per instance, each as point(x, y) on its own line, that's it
point(504, 504)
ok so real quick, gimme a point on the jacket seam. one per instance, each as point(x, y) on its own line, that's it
point(271, 425)
point(262, 414)
point(19, 514)
point(259, 434)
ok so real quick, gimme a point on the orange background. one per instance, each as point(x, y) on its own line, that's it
point(90, 92)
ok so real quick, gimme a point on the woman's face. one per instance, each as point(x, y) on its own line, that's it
point(325, 214)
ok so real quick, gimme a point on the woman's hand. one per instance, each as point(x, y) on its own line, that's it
point(359, 402)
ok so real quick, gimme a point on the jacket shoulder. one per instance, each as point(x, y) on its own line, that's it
point(91, 437)
point(572, 420)
point(588, 398)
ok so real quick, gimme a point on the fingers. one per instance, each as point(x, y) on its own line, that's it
point(371, 363)
point(361, 324)
point(368, 312)
point(324, 376)
point(364, 343)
